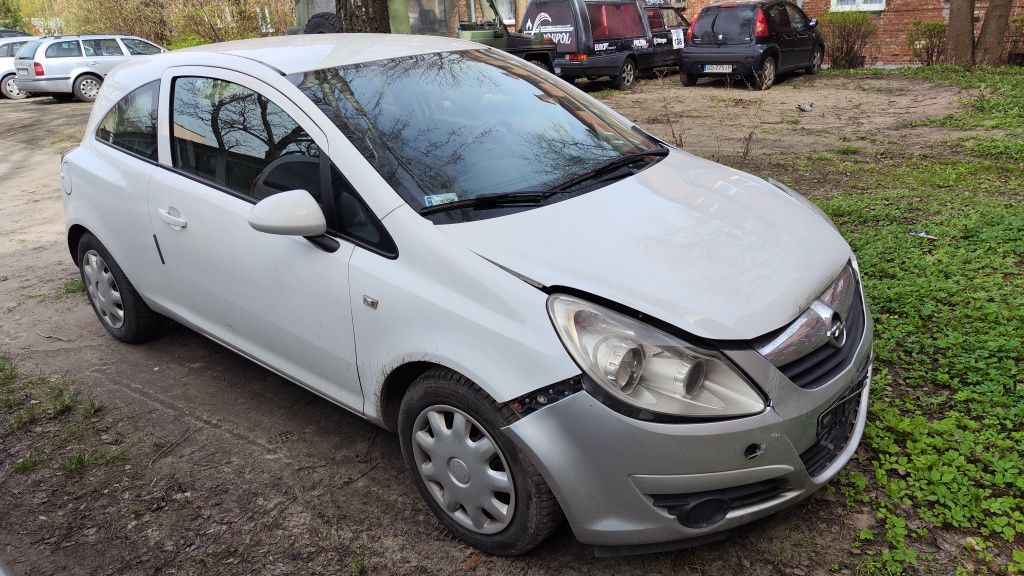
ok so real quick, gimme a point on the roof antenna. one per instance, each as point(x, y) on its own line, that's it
point(216, 35)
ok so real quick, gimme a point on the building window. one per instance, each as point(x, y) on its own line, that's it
point(858, 5)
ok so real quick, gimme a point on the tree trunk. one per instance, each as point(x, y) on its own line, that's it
point(961, 32)
point(363, 15)
point(993, 32)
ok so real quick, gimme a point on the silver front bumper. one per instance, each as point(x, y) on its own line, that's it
point(605, 468)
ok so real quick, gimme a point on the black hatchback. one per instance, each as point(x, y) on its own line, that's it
point(754, 40)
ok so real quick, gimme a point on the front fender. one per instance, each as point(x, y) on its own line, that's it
point(440, 303)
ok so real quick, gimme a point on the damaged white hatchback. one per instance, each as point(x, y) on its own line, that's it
point(561, 315)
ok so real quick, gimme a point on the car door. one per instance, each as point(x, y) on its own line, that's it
point(280, 300)
point(781, 34)
point(664, 54)
point(803, 35)
point(61, 59)
point(102, 54)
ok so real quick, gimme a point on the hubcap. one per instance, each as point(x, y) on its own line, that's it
point(102, 289)
point(768, 73)
point(90, 88)
point(463, 469)
point(628, 73)
point(12, 87)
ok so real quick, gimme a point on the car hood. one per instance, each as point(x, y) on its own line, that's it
point(716, 252)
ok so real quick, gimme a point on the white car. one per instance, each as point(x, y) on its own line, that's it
point(558, 313)
point(8, 48)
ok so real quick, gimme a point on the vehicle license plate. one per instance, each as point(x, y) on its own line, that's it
point(718, 68)
point(22, 71)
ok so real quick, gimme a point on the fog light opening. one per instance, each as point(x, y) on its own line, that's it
point(753, 451)
point(704, 513)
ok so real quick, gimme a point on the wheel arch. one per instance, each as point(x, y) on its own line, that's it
point(75, 234)
point(398, 382)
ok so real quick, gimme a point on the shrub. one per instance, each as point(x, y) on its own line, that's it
point(927, 41)
point(846, 37)
point(1015, 36)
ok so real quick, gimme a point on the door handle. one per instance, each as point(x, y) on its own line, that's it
point(175, 219)
point(92, 62)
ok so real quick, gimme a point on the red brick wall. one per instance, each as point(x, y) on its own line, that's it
point(890, 45)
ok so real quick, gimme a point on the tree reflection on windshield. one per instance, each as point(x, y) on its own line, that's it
point(456, 125)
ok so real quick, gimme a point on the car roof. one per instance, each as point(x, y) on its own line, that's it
point(305, 52)
point(7, 39)
point(729, 3)
point(88, 37)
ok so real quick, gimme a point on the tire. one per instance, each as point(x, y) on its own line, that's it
point(440, 396)
point(816, 58)
point(323, 23)
point(541, 64)
point(105, 283)
point(765, 78)
point(87, 87)
point(688, 79)
point(627, 76)
point(9, 89)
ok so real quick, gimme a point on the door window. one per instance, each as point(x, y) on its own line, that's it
point(10, 49)
point(664, 18)
point(102, 47)
point(138, 47)
point(777, 17)
point(65, 49)
point(131, 123)
point(229, 135)
point(796, 18)
point(611, 21)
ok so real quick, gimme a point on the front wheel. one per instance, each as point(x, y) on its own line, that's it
point(816, 59)
point(117, 304)
point(688, 79)
point(627, 75)
point(9, 88)
point(473, 477)
point(87, 88)
point(323, 23)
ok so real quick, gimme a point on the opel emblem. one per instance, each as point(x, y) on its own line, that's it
point(837, 332)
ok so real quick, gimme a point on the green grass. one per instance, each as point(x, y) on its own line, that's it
point(79, 459)
point(848, 150)
point(73, 287)
point(28, 463)
point(945, 435)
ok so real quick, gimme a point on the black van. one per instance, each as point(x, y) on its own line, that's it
point(616, 38)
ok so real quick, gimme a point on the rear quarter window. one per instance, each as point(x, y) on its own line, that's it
point(64, 49)
point(615, 20)
point(131, 123)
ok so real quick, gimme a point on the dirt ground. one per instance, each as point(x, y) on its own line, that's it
point(231, 470)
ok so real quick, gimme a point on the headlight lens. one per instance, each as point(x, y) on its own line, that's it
point(648, 368)
point(803, 200)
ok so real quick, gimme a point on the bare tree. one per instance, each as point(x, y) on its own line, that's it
point(961, 32)
point(993, 32)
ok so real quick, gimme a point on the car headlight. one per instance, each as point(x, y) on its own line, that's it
point(803, 200)
point(647, 368)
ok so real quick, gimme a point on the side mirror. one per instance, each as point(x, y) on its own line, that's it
point(292, 213)
point(813, 23)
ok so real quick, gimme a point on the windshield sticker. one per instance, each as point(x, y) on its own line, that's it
point(677, 38)
point(438, 199)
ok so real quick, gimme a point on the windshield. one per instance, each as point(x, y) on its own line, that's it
point(724, 25)
point(28, 51)
point(453, 126)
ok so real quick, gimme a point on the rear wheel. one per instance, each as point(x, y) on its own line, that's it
point(472, 476)
point(540, 64)
point(119, 307)
point(688, 79)
point(816, 59)
point(627, 75)
point(765, 77)
point(9, 88)
point(87, 87)
point(323, 23)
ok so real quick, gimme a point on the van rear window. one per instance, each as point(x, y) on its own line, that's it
point(553, 20)
point(614, 20)
point(724, 25)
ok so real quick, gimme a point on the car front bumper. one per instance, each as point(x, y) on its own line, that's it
point(44, 86)
point(621, 481)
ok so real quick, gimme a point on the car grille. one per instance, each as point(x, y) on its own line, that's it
point(835, 427)
point(694, 509)
point(822, 364)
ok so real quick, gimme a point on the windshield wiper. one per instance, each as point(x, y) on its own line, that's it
point(488, 201)
point(531, 197)
point(605, 169)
